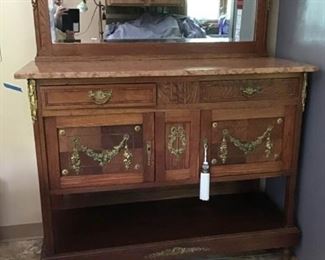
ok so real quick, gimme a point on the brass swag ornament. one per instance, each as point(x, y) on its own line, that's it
point(104, 157)
point(244, 146)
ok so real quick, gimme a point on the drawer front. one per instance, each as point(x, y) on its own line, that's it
point(243, 142)
point(251, 89)
point(96, 96)
point(100, 151)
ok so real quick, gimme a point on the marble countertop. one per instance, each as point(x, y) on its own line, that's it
point(159, 68)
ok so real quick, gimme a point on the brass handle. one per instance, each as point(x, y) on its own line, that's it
point(100, 97)
point(250, 91)
point(149, 152)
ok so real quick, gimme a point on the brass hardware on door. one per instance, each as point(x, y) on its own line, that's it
point(61, 132)
point(215, 124)
point(100, 97)
point(250, 91)
point(279, 121)
point(65, 172)
point(137, 128)
point(214, 161)
point(137, 166)
point(149, 152)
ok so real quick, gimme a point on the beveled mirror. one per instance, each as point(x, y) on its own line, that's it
point(149, 27)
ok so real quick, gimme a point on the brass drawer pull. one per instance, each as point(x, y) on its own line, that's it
point(250, 91)
point(100, 97)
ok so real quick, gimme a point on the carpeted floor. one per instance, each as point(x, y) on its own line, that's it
point(21, 250)
point(31, 250)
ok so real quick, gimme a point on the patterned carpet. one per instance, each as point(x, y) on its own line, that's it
point(31, 250)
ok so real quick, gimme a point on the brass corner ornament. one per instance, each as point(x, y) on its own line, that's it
point(304, 92)
point(177, 251)
point(32, 95)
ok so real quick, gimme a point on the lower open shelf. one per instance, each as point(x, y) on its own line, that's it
point(168, 220)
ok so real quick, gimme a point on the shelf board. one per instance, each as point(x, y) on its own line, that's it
point(167, 220)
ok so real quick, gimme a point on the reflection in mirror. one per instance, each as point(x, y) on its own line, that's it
point(152, 20)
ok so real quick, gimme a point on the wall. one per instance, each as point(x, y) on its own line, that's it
point(19, 192)
point(19, 199)
point(301, 37)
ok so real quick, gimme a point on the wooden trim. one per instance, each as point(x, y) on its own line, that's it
point(106, 50)
point(221, 244)
point(111, 120)
point(44, 182)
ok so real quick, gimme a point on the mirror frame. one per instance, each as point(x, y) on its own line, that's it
point(47, 50)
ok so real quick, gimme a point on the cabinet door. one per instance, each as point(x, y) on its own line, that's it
point(249, 141)
point(177, 143)
point(88, 151)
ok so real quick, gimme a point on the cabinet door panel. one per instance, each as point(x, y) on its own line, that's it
point(177, 140)
point(249, 141)
point(88, 152)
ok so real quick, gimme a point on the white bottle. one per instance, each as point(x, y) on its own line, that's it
point(205, 176)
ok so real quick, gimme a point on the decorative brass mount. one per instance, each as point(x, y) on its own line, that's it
point(177, 251)
point(304, 92)
point(250, 91)
point(100, 97)
point(104, 157)
point(245, 146)
point(34, 4)
point(32, 95)
point(177, 141)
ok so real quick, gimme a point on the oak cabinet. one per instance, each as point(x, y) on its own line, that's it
point(96, 138)
point(118, 146)
point(122, 129)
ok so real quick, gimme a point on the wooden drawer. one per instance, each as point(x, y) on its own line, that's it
point(250, 89)
point(96, 96)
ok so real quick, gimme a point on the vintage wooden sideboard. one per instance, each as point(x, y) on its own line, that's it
point(122, 129)
point(120, 144)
